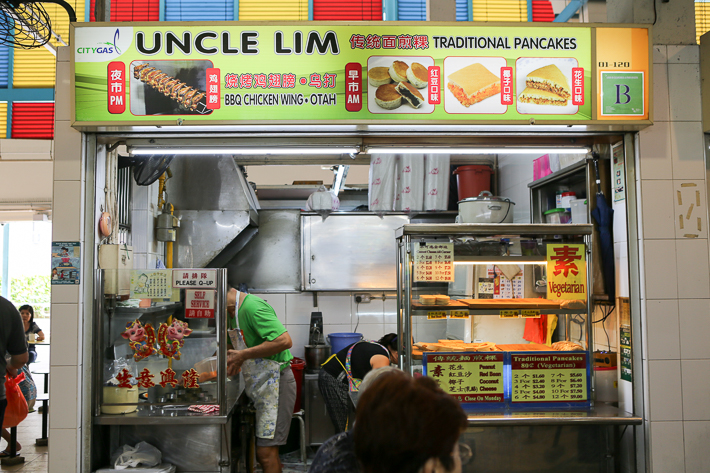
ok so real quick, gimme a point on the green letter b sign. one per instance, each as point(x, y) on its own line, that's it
point(622, 93)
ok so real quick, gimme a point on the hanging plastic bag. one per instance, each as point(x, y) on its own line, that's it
point(142, 454)
point(16, 409)
point(323, 202)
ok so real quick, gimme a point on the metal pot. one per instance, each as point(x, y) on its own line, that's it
point(485, 209)
point(316, 355)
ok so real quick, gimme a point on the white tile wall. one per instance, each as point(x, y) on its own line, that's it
point(697, 438)
point(660, 53)
point(661, 106)
point(667, 446)
point(694, 328)
point(696, 389)
point(683, 81)
point(299, 308)
point(64, 328)
point(683, 54)
point(299, 337)
point(63, 386)
point(65, 294)
point(693, 269)
point(655, 152)
point(371, 331)
point(66, 211)
point(662, 330)
point(657, 209)
point(687, 148)
point(390, 309)
point(67, 161)
point(368, 313)
point(665, 390)
point(336, 328)
point(63, 450)
point(62, 107)
point(689, 204)
point(660, 269)
point(336, 307)
point(390, 328)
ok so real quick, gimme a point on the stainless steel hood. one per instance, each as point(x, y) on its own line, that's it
point(215, 205)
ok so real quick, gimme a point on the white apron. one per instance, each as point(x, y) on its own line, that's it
point(261, 383)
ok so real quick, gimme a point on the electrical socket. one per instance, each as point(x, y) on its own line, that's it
point(362, 298)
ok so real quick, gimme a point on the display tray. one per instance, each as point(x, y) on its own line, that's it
point(529, 303)
point(417, 354)
point(453, 304)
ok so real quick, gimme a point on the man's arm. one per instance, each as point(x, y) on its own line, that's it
point(16, 362)
point(235, 358)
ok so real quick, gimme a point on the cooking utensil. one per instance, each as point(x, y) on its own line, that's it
point(485, 209)
point(316, 355)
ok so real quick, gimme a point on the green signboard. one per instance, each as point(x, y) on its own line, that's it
point(223, 73)
point(622, 93)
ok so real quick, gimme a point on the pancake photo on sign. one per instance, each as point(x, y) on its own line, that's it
point(543, 86)
point(398, 84)
point(473, 85)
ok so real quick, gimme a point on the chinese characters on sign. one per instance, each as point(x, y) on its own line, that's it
point(577, 86)
point(353, 87)
point(434, 262)
point(116, 87)
point(473, 378)
point(549, 377)
point(434, 85)
point(195, 278)
point(199, 304)
point(213, 95)
point(566, 271)
point(506, 75)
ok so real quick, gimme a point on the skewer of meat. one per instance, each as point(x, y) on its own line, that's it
point(186, 96)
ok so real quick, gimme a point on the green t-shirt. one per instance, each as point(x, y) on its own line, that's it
point(259, 323)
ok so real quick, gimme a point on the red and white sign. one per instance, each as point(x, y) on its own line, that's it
point(434, 85)
point(116, 87)
point(506, 89)
point(577, 86)
point(194, 279)
point(213, 95)
point(199, 304)
point(353, 87)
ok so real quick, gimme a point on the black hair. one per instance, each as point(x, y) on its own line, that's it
point(29, 309)
point(389, 341)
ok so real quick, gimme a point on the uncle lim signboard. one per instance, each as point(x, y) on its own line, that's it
point(157, 73)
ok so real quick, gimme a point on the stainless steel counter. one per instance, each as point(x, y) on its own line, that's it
point(601, 414)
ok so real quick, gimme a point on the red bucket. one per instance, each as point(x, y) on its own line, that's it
point(297, 366)
point(472, 180)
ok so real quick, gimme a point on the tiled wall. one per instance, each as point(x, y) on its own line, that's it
point(67, 380)
point(675, 287)
point(146, 250)
point(340, 314)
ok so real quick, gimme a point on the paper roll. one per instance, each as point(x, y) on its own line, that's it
point(436, 183)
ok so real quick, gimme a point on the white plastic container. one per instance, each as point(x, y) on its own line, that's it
point(579, 211)
point(606, 384)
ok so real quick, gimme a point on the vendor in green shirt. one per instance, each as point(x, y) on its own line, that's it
point(264, 358)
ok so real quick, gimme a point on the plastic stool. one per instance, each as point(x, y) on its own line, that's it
point(299, 415)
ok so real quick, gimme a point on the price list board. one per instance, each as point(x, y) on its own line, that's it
point(434, 262)
point(549, 378)
point(472, 378)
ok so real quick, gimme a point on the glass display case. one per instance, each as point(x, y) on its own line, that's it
point(162, 347)
point(499, 314)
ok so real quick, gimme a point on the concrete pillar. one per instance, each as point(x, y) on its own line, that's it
point(673, 21)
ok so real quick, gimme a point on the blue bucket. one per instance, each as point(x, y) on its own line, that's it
point(340, 340)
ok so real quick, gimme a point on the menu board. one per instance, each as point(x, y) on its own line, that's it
point(549, 377)
point(566, 271)
point(470, 377)
point(434, 262)
point(149, 283)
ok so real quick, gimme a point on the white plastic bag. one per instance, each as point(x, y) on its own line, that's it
point(382, 183)
point(323, 199)
point(411, 188)
point(142, 454)
point(436, 183)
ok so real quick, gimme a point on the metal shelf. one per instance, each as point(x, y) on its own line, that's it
point(155, 310)
point(498, 229)
point(423, 313)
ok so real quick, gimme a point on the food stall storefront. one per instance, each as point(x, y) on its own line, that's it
point(172, 114)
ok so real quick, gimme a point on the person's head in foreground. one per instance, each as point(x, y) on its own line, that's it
point(408, 425)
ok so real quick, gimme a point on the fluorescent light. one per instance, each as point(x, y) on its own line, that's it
point(454, 150)
point(507, 261)
point(241, 151)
